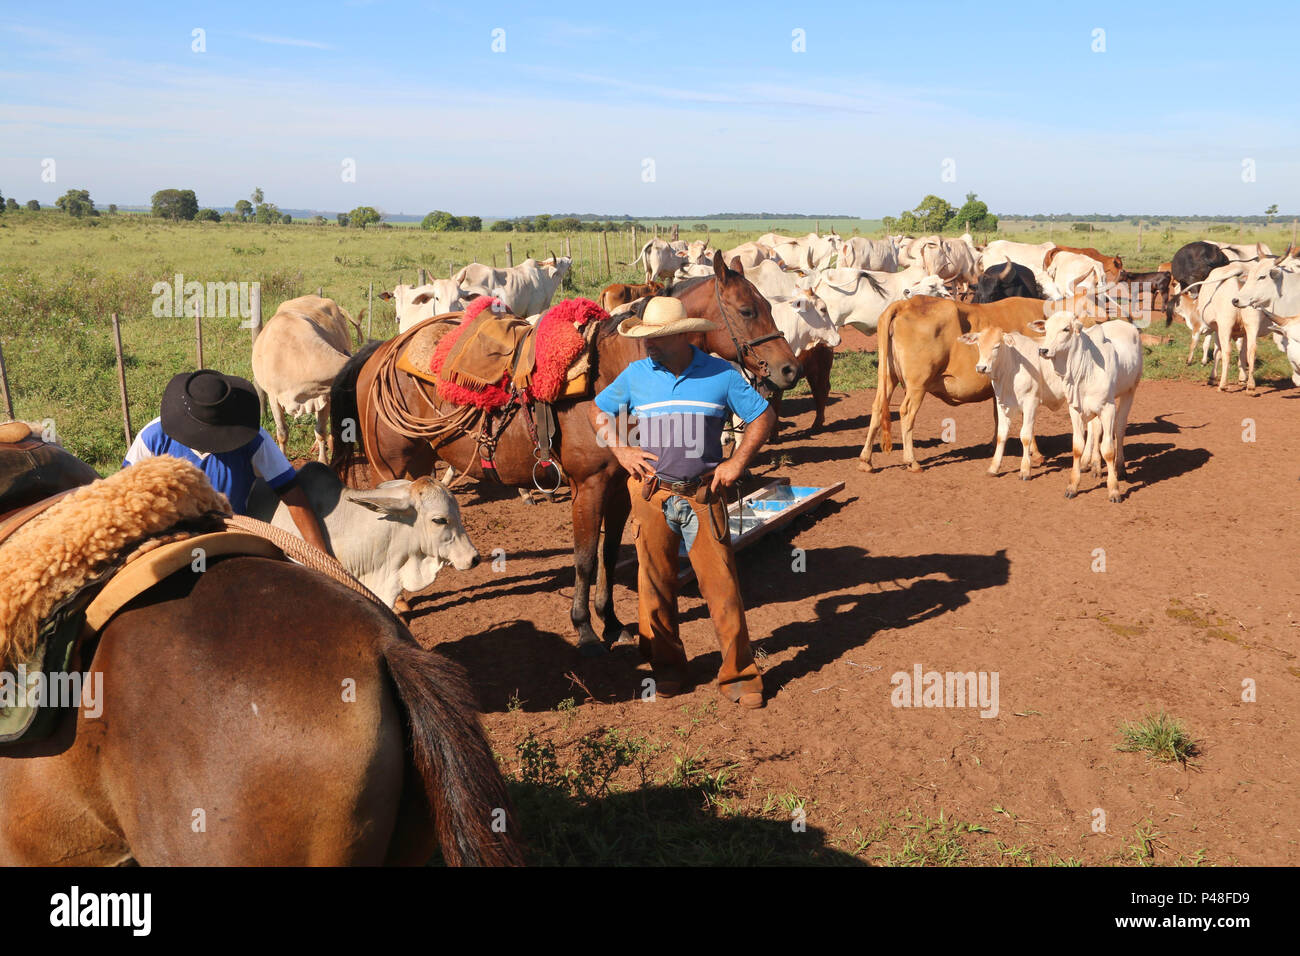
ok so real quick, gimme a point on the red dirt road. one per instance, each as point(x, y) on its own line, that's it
point(955, 571)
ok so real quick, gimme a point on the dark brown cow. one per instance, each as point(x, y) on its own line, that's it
point(612, 296)
point(1111, 265)
point(917, 346)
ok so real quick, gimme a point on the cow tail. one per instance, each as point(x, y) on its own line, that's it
point(472, 815)
point(884, 379)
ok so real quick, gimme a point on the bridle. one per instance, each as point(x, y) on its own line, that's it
point(745, 347)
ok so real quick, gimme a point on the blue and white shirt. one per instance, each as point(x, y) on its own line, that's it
point(680, 417)
point(231, 472)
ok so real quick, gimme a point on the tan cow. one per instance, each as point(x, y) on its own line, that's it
point(295, 359)
point(917, 346)
point(619, 293)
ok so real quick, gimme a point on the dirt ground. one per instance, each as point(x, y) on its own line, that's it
point(1187, 602)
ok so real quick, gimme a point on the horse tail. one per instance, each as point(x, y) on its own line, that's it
point(343, 407)
point(472, 816)
point(884, 380)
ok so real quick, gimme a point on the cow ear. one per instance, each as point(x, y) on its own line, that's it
point(1039, 326)
point(1007, 339)
point(392, 501)
point(1077, 326)
point(969, 338)
point(422, 298)
point(385, 296)
point(907, 293)
point(736, 265)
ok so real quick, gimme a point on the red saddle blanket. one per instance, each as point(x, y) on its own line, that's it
point(493, 353)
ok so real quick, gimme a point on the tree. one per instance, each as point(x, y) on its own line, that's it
point(11, 204)
point(472, 224)
point(541, 223)
point(975, 215)
point(257, 196)
point(318, 220)
point(175, 204)
point(267, 213)
point(286, 218)
point(207, 215)
point(2, 205)
point(34, 205)
point(932, 214)
point(77, 203)
point(1269, 213)
point(363, 216)
point(440, 221)
point(112, 209)
point(243, 209)
point(502, 225)
point(343, 219)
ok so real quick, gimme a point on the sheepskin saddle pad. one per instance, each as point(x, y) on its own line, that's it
point(58, 561)
point(492, 354)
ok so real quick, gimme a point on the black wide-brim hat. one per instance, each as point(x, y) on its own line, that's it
point(211, 412)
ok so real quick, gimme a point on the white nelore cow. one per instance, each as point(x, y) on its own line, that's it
point(659, 258)
point(414, 304)
point(696, 252)
point(525, 289)
point(751, 254)
point(877, 255)
point(1239, 253)
point(1022, 380)
point(802, 323)
point(394, 538)
point(1273, 287)
point(1074, 272)
point(1101, 368)
point(771, 280)
point(1215, 308)
point(810, 252)
point(1287, 336)
point(857, 297)
point(295, 360)
point(1024, 253)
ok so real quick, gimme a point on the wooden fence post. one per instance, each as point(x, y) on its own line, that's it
point(320, 291)
point(255, 306)
point(1140, 223)
point(198, 335)
point(422, 277)
point(510, 256)
point(674, 232)
point(121, 380)
point(1293, 222)
point(4, 387)
point(370, 310)
point(604, 241)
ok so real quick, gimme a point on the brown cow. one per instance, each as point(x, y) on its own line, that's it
point(916, 345)
point(1111, 265)
point(612, 296)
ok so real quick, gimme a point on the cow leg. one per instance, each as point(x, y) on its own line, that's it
point(588, 498)
point(1028, 450)
point(1208, 348)
point(907, 420)
point(1225, 352)
point(879, 412)
point(324, 440)
point(1107, 422)
point(1076, 423)
point(1002, 419)
point(281, 428)
point(1251, 343)
point(1124, 405)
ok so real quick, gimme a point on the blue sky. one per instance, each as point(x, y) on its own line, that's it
point(734, 119)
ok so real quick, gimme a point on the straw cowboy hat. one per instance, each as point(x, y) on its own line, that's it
point(663, 315)
point(211, 412)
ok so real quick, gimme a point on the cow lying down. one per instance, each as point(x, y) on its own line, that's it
point(393, 538)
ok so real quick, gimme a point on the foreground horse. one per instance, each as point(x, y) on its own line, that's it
point(255, 714)
point(745, 333)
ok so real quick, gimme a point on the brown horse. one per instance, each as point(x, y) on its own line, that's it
point(236, 729)
point(745, 333)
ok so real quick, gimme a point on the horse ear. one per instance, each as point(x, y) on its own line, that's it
point(719, 269)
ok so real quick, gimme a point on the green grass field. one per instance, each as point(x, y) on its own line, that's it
point(61, 279)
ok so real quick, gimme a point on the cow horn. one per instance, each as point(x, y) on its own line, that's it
point(1007, 271)
point(553, 258)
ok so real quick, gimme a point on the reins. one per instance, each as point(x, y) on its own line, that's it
point(745, 348)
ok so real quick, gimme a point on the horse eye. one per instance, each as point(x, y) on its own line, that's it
point(748, 313)
point(437, 520)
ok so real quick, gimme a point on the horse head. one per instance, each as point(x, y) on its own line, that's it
point(746, 332)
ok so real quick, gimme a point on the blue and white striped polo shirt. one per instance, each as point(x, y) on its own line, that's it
point(680, 417)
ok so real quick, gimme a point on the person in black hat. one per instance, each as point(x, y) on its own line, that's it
point(213, 422)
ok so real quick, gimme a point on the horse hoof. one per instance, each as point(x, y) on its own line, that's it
point(1069, 493)
point(866, 466)
point(1116, 498)
point(592, 649)
point(618, 634)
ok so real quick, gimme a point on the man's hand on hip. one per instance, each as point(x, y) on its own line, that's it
point(638, 462)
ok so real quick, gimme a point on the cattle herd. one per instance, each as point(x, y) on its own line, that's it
point(1029, 325)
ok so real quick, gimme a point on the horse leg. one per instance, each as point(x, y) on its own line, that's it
point(588, 502)
point(618, 506)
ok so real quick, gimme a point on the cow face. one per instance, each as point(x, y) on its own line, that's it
point(989, 343)
point(1058, 333)
point(427, 528)
point(928, 285)
point(1261, 288)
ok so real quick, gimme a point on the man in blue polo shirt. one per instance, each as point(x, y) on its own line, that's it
point(681, 397)
point(212, 421)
